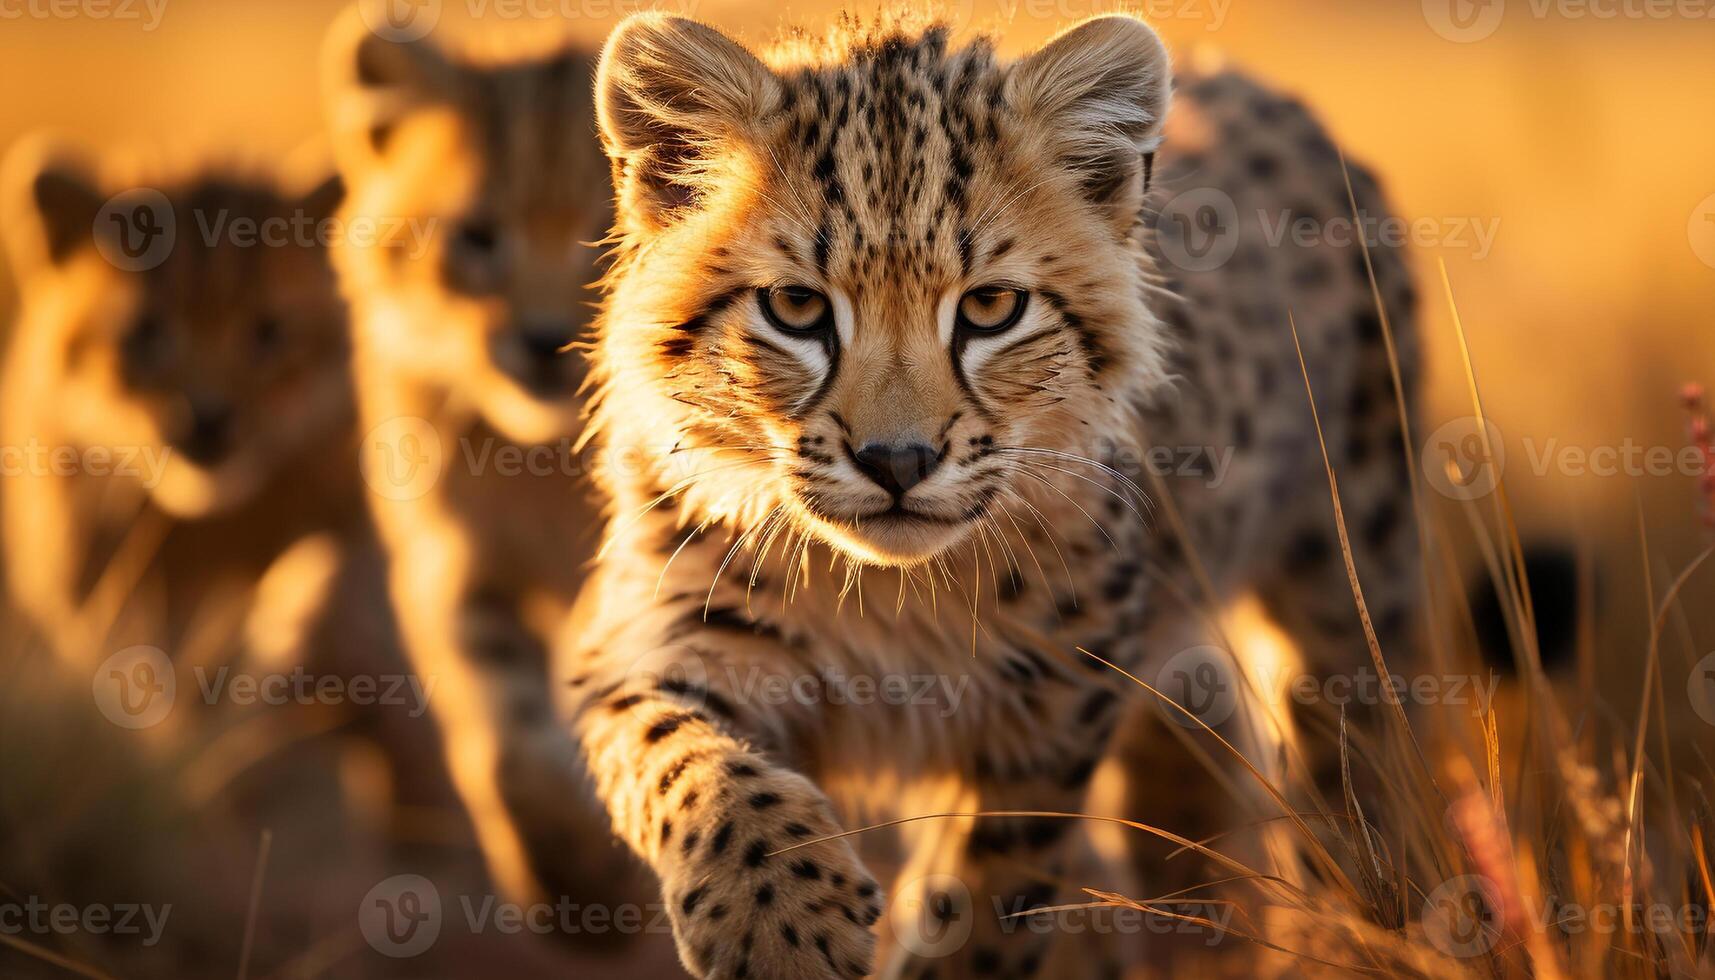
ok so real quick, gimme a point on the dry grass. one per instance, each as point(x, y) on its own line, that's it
point(1550, 838)
point(1543, 837)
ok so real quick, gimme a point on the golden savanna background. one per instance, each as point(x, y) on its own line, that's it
point(1563, 164)
point(1556, 158)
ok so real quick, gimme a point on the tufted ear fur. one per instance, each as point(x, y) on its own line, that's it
point(51, 199)
point(1100, 91)
point(372, 83)
point(667, 88)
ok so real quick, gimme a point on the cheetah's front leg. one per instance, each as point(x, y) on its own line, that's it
point(691, 773)
point(969, 904)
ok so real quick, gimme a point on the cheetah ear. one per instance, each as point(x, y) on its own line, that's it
point(667, 89)
point(372, 84)
point(50, 202)
point(1100, 91)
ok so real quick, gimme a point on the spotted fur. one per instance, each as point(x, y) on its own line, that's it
point(185, 417)
point(482, 170)
point(755, 534)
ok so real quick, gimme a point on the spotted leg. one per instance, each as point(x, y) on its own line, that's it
point(695, 777)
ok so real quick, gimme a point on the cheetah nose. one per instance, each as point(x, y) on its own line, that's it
point(896, 469)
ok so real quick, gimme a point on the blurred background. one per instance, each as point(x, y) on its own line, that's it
point(1557, 158)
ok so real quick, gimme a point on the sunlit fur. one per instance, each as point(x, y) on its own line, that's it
point(491, 145)
point(894, 222)
point(109, 361)
point(439, 145)
point(892, 171)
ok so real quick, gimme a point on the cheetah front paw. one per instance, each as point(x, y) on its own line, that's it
point(742, 907)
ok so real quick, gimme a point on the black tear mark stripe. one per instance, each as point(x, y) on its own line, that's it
point(957, 351)
point(1092, 347)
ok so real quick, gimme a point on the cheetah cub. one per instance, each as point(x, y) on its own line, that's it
point(479, 163)
point(178, 401)
point(884, 326)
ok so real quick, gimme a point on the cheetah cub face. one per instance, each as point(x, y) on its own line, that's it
point(223, 356)
point(878, 284)
point(479, 171)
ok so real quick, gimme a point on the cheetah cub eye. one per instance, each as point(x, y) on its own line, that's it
point(991, 309)
point(796, 310)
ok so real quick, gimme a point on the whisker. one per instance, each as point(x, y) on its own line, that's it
point(1029, 548)
point(1048, 535)
point(1105, 489)
point(699, 529)
point(1097, 524)
point(709, 601)
point(1129, 483)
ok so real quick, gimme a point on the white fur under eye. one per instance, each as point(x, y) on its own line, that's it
point(978, 347)
point(809, 349)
